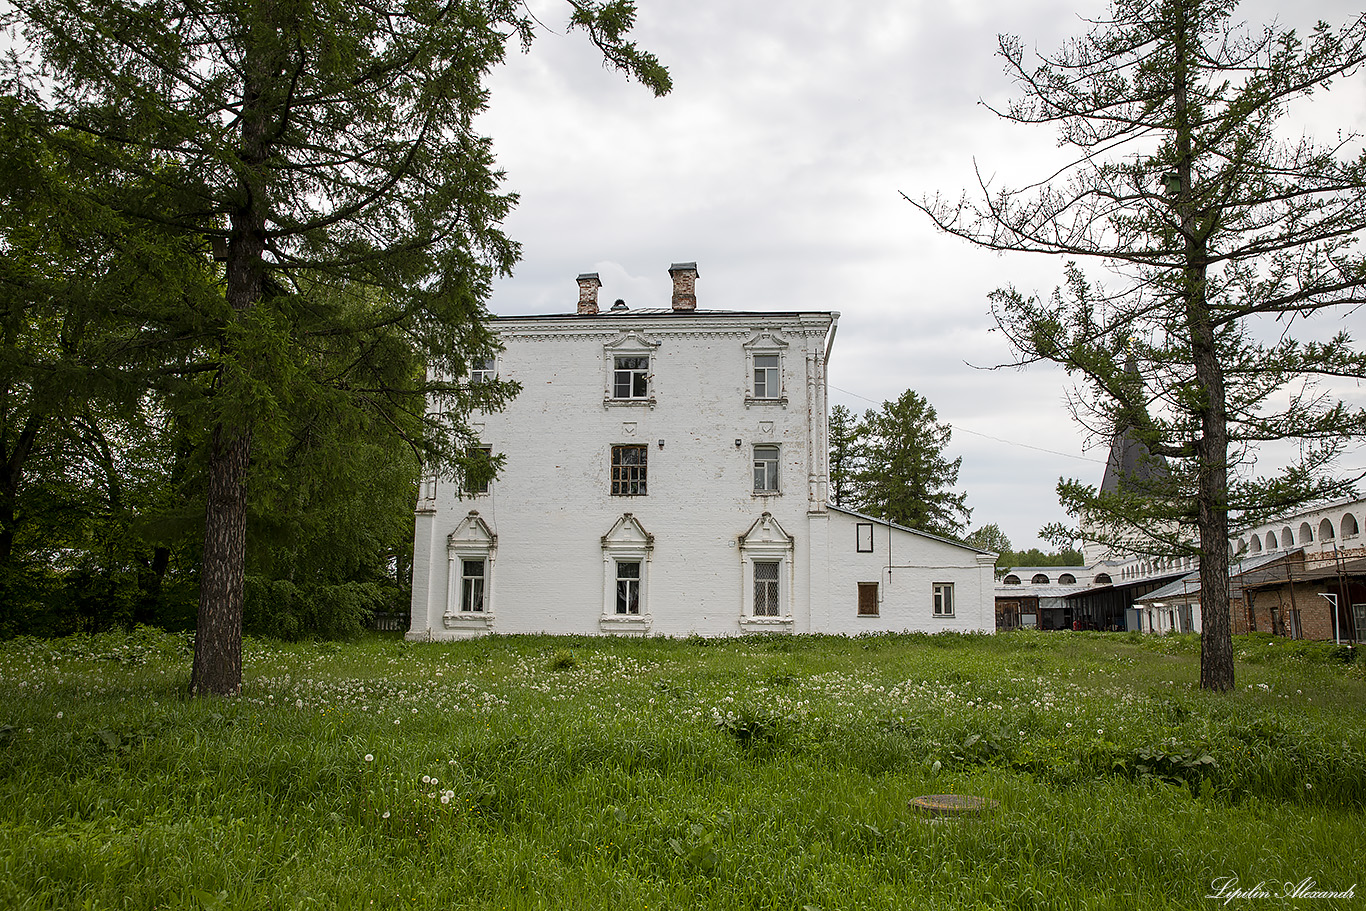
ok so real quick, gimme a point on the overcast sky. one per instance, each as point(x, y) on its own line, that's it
point(777, 164)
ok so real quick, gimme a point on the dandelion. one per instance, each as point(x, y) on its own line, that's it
point(298, 703)
point(369, 757)
point(445, 798)
point(1069, 724)
point(384, 815)
point(59, 714)
point(426, 779)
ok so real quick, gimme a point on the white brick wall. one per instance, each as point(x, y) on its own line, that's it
point(551, 506)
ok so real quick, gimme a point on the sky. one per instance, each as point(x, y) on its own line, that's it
point(778, 164)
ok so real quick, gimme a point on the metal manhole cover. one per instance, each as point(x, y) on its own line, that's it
point(950, 805)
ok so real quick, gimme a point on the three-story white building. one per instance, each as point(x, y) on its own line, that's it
point(666, 474)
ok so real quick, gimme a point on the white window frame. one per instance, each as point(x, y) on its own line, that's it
point(630, 345)
point(766, 343)
point(470, 584)
point(483, 370)
point(632, 583)
point(768, 378)
point(631, 375)
point(943, 600)
point(767, 484)
point(626, 542)
point(766, 541)
point(472, 540)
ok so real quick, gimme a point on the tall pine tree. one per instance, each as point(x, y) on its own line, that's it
point(304, 145)
point(1228, 249)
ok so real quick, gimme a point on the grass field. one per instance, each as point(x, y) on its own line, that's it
point(538, 772)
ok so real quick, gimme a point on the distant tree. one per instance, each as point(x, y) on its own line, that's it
point(902, 475)
point(843, 454)
point(1224, 243)
point(989, 537)
point(317, 153)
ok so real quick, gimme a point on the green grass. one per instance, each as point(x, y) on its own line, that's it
point(540, 772)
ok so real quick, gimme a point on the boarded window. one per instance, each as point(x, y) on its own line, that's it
point(867, 599)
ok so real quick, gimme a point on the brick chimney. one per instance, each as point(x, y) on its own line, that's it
point(589, 283)
point(685, 285)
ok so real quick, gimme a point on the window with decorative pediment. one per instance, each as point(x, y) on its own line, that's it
point(766, 565)
point(630, 362)
point(764, 355)
point(470, 552)
point(626, 551)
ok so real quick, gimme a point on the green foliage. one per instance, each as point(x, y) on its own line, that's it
point(890, 464)
point(1217, 235)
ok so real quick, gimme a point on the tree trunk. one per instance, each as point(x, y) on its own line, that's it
point(218, 640)
point(218, 635)
point(1211, 450)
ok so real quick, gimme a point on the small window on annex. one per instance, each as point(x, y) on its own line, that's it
point(943, 599)
point(472, 586)
point(863, 537)
point(628, 586)
point(766, 588)
point(867, 599)
point(767, 376)
point(765, 469)
point(628, 470)
point(631, 377)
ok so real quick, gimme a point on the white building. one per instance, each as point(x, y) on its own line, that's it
point(666, 474)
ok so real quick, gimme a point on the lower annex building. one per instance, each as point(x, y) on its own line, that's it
point(666, 474)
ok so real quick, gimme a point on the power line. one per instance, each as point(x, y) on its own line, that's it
point(987, 436)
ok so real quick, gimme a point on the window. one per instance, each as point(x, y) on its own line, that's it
point(628, 587)
point(1011, 580)
point(765, 469)
point(943, 599)
point(867, 599)
point(766, 588)
point(479, 470)
point(631, 377)
point(472, 586)
point(1039, 579)
point(1067, 579)
point(483, 370)
point(863, 537)
point(628, 470)
point(767, 379)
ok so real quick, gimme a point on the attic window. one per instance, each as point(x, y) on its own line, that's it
point(1039, 579)
point(1012, 579)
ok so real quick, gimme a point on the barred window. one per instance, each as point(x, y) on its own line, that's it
point(765, 589)
point(628, 470)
